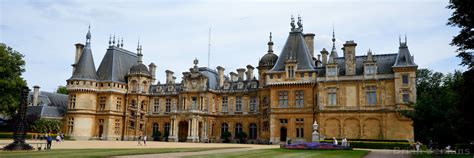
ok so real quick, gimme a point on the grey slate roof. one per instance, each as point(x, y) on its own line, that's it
point(404, 59)
point(51, 105)
point(384, 64)
point(85, 68)
point(211, 77)
point(116, 64)
point(295, 47)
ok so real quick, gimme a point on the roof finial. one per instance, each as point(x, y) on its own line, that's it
point(300, 23)
point(405, 38)
point(138, 45)
point(270, 44)
point(333, 35)
point(88, 36)
point(118, 41)
point(399, 39)
point(110, 40)
point(292, 23)
point(113, 41)
point(270, 36)
point(121, 43)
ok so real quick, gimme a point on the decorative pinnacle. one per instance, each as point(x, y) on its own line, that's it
point(121, 43)
point(270, 36)
point(110, 40)
point(88, 36)
point(113, 41)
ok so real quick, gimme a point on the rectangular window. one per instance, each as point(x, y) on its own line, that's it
point(194, 103)
point(225, 104)
point(406, 97)
point(238, 104)
point(332, 95)
point(72, 101)
point(117, 127)
point(118, 107)
point(371, 95)
point(331, 71)
point(253, 104)
point(299, 99)
point(156, 105)
point(271, 76)
point(369, 69)
point(302, 75)
point(291, 72)
point(70, 125)
point(279, 76)
point(167, 128)
point(283, 99)
point(405, 79)
point(300, 128)
point(310, 74)
point(102, 101)
point(132, 125)
point(168, 104)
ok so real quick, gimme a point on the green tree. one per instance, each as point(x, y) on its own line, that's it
point(12, 66)
point(463, 17)
point(226, 135)
point(61, 90)
point(45, 126)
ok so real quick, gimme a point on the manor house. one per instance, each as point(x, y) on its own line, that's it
point(348, 95)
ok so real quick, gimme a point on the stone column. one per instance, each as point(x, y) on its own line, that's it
point(189, 127)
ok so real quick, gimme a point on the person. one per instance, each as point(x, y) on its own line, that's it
point(344, 141)
point(335, 140)
point(430, 144)
point(58, 138)
point(144, 140)
point(417, 145)
point(139, 141)
point(49, 140)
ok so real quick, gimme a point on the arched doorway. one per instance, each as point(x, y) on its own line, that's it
point(283, 134)
point(183, 131)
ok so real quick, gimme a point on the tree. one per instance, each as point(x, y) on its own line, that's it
point(463, 17)
point(12, 66)
point(61, 90)
point(226, 136)
point(45, 126)
point(242, 136)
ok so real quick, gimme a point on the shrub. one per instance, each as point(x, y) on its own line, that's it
point(226, 136)
point(156, 135)
point(242, 136)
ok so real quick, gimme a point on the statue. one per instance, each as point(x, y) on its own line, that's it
point(300, 24)
point(315, 132)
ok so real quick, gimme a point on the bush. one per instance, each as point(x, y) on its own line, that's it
point(371, 140)
point(226, 136)
point(156, 135)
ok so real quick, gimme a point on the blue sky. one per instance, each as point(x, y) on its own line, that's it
point(173, 33)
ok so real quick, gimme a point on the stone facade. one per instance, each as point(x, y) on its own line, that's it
point(351, 96)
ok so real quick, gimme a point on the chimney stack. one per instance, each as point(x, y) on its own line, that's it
point(220, 73)
point(241, 72)
point(324, 53)
point(152, 67)
point(250, 69)
point(79, 48)
point(169, 77)
point(309, 40)
point(36, 94)
point(349, 57)
point(233, 76)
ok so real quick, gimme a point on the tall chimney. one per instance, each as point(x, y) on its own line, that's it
point(233, 76)
point(36, 94)
point(324, 53)
point(309, 40)
point(349, 57)
point(79, 48)
point(220, 73)
point(249, 72)
point(169, 77)
point(241, 72)
point(152, 67)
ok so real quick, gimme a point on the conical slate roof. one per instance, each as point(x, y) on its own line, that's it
point(296, 48)
point(404, 59)
point(85, 68)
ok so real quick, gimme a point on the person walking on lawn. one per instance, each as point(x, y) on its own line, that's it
point(49, 140)
point(139, 141)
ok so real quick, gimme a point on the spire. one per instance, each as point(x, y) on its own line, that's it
point(88, 36)
point(333, 51)
point(270, 44)
point(139, 52)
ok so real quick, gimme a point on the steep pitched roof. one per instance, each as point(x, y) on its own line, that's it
point(296, 48)
point(51, 105)
point(85, 68)
point(116, 64)
point(384, 64)
point(404, 59)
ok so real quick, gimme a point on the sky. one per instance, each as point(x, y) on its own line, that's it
point(175, 32)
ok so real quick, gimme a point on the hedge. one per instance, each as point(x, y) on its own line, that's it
point(29, 136)
point(377, 144)
point(371, 140)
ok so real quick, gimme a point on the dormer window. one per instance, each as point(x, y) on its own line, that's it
point(369, 69)
point(240, 85)
point(291, 72)
point(331, 71)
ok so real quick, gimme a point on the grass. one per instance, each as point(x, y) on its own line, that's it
point(282, 153)
point(94, 153)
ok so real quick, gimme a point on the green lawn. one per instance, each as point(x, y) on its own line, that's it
point(281, 153)
point(93, 153)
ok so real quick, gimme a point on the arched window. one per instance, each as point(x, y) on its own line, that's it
point(134, 85)
point(134, 103)
point(224, 128)
point(238, 129)
point(156, 127)
point(253, 131)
